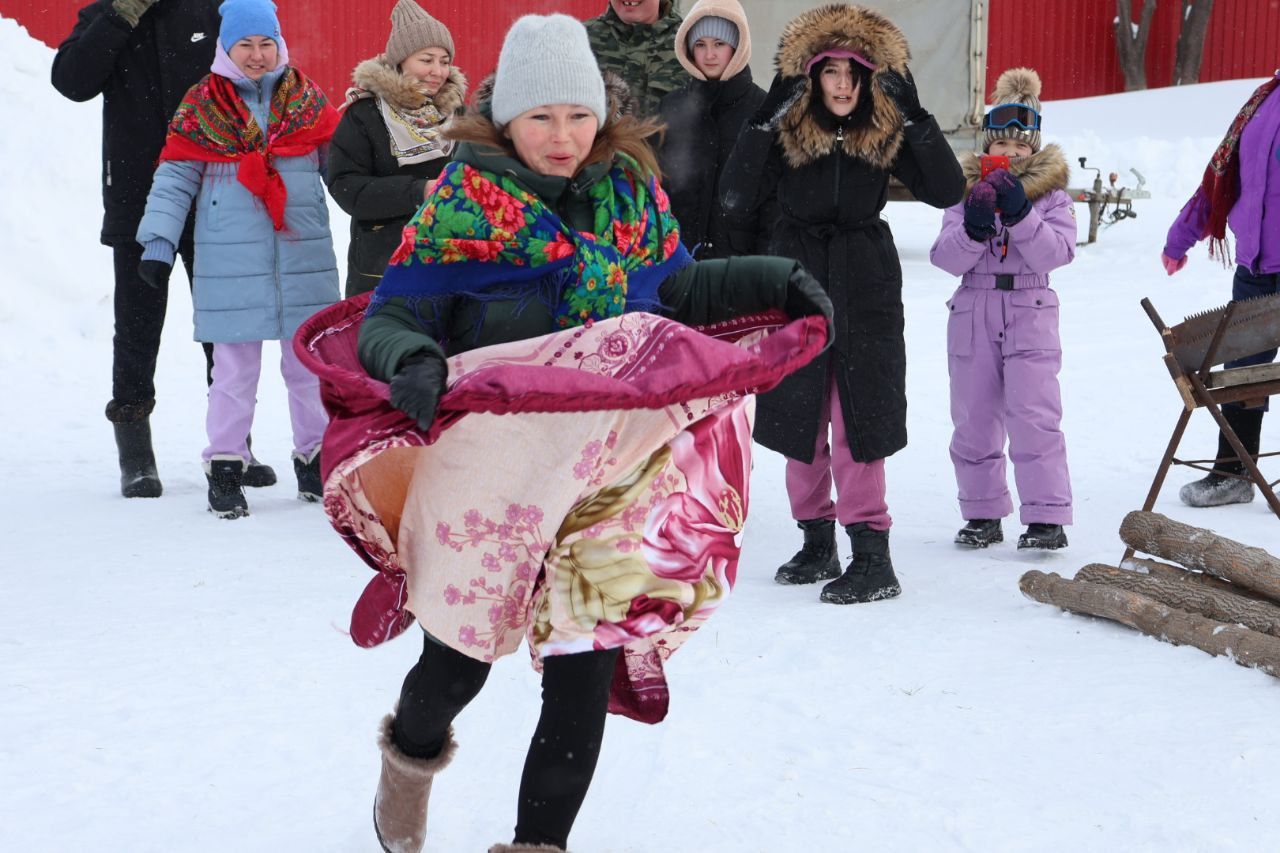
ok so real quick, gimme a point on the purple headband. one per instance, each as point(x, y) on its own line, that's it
point(839, 53)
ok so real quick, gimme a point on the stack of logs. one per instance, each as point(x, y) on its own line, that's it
point(1222, 598)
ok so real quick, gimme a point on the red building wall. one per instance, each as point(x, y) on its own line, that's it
point(1068, 41)
point(1076, 56)
point(328, 37)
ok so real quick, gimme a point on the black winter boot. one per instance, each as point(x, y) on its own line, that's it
point(307, 468)
point(869, 576)
point(138, 477)
point(817, 560)
point(257, 475)
point(1043, 537)
point(980, 532)
point(1220, 489)
point(226, 494)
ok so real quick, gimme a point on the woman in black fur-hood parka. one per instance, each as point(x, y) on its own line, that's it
point(827, 176)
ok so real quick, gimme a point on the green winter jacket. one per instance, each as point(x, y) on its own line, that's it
point(644, 55)
point(703, 292)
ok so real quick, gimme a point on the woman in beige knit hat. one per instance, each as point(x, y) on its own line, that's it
point(704, 118)
point(390, 142)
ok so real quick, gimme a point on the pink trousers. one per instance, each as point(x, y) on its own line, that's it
point(860, 491)
point(234, 394)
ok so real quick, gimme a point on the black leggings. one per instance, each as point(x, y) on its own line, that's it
point(565, 745)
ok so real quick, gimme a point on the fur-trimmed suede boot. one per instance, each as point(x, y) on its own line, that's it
point(817, 560)
point(400, 806)
point(526, 848)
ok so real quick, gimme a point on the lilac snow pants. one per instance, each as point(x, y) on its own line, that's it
point(1004, 354)
point(860, 491)
point(234, 393)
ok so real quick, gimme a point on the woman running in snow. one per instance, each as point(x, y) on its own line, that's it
point(1003, 352)
point(561, 461)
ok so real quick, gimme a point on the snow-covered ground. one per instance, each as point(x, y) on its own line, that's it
point(169, 681)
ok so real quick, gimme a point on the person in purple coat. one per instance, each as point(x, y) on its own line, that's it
point(1003, 351)
point(1252, 209)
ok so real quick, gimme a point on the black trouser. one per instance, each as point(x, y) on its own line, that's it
point(565, 746)
point(1246, 423)
point(140, 310)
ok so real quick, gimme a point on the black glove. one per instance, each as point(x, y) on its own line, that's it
point(901, 89)
point(980, 212)
point(417, 386)
point(782, 96)
point(155, 273)
point(1011, 198)
point(806, 298)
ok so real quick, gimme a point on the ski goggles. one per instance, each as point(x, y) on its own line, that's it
point(1003, 115)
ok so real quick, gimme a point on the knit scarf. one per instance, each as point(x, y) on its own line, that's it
point(213, 124)
point(483, 235)
point(1221, 181)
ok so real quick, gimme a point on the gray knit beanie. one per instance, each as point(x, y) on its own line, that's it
point(716, 27)
point(412, 30)
point(546, 59)
point(1015, 86)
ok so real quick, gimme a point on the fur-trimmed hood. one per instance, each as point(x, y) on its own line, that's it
point(376, 77)
point(730, 10)
point(617, 94)
point(848, 27)
point(1041, 173)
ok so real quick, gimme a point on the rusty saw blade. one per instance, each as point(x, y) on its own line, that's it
point(1254, 327)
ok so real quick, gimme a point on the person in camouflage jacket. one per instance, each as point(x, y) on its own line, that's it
point(638, 44)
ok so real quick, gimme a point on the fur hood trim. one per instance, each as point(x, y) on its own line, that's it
point(378, 78)
point(848, 27)
point(1041, 173)
point(730, 10)
point(617, 94)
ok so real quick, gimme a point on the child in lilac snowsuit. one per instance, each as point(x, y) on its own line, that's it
point(1240, 188)
point(1003, 350)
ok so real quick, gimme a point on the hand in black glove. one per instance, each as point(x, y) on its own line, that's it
point(417, 386)
point(980, 212)
point(155, 273)
point(783, 94)
point(901, 89)
point(1011, 198)
point(806, 298)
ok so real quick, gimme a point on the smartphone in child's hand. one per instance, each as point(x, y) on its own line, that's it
point(991, 162)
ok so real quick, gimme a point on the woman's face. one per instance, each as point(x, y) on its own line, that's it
point(840, 88)
point(430, 66)
point(711, 56)
point(554, 139)
point(255, 56)
point(1009, 148)
point(636, 11)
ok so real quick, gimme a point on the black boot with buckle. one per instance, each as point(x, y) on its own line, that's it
point(817, 560)
point(869, 576)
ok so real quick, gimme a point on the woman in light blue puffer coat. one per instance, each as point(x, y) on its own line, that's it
point(264, 251)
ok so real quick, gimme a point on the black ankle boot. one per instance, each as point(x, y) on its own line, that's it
point(980, 532)
point(226, 492)
point(817, 560)
point(138, 477)
point(257, 475)
point(307, 470)
point(869, 576)
point(1043, 537)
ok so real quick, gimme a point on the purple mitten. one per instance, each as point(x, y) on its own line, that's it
point(1011, 198)
point(980, 212)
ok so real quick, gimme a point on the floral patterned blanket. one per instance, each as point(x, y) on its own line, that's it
point(582, 490)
